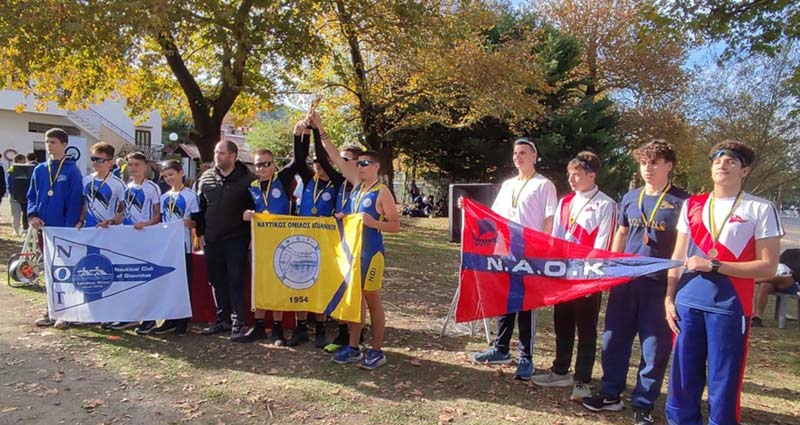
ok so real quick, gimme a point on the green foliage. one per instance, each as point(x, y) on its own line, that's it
point(274, 131)
point(752, 26)
point(180, 124)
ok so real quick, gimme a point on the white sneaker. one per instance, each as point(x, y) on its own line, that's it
point(551, 379)
point(579, 391)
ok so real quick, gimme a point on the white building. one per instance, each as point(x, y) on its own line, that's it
point(23, 132)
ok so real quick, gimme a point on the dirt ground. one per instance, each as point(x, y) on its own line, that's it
point(86, 375)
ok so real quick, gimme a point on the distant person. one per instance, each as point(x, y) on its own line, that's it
point(413, 190)
point(32, 158)
point(18, 193)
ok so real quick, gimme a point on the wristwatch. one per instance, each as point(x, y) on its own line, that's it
point(715, 265)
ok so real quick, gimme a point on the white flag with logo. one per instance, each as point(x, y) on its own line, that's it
point(116, 274)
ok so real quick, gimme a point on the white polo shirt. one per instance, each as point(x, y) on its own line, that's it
point(536, 201)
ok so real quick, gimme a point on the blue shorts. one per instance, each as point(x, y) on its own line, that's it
point(793, 289)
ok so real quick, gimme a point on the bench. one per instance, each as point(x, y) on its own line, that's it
point(782, 302)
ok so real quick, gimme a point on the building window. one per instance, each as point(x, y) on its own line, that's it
point(143, 138)
point(41, 127)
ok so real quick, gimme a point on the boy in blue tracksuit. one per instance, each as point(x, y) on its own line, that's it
point(647, 219)
point(55, 197)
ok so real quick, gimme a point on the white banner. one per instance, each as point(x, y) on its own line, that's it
point(116, 274)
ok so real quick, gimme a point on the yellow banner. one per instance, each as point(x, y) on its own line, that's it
point(307, 264)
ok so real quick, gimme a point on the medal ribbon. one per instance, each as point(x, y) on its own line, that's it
point(94, 192)
point(174, 200)
point(265, 195)
point(515, 196)
point(53, 180)
point(360, 193)
point(317, 195)
point(715, 233)
point(572, 219)
point(649, 222)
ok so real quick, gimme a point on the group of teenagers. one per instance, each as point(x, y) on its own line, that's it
point(699, 314)
point(218, 212)
point(726, 239)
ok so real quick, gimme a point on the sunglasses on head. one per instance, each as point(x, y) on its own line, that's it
point(264, 164)
point(99, 160)
point(365, 162)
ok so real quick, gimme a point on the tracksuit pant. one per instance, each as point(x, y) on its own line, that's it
point(226, 264)
point(716, 339)
point(581, 313)
point(527, 332)
point(636, 308)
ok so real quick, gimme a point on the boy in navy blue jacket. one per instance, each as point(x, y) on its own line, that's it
point(55, 195)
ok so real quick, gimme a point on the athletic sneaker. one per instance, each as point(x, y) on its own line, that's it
point(348, 355)
point(492, 356)
point(44, 321)
point(642, 417)
point(580, 391)
point(372, 360)
point(255, 333)
point(216, 327)
point(755, 322)
point(524, 369)
point(552, 379)
point(600, 402)
point(121, 326)
point(298, 337)
point(62, 324)
point(319, 336)
point(277, 337)
point(167, 327)
point(146, 328)
point(237, 331)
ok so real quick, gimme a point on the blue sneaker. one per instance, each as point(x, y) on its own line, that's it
point(492, 356)
point(348, 355)
point(524, 369)
point(372, 360)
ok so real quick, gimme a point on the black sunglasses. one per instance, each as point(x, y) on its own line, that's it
point(365, 162)
point(264, 164)
point(99, 160)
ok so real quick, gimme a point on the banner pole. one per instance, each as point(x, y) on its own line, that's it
point(252, 266)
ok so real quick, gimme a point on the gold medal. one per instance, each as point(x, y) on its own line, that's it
point(53, 180)
point(50, 192)
point(713, 253)
point(716, 232)
point(314, 210)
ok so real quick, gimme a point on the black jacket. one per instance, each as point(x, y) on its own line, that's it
point(223, 201)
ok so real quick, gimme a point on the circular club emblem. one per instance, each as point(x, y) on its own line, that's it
point(276, 193)
point(93, 274)
point(73, 153)
point(296, 262)
point(367, 203)
point(326, 196)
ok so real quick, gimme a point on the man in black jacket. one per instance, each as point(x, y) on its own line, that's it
point(224, 196)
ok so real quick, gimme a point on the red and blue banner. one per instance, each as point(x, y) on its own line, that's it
point(507, 268)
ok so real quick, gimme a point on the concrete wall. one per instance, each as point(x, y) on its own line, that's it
point(14, 130)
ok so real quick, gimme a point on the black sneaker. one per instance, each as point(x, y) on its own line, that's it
point(600, 402)
point(755, 322)
point(319, 337)
point(121, 326)
point(254, 334)
point(298, 337)
point(168, 326)
point(642, 417)
point(217, 327)
point(277, 337)
point(237, 331)
point(146, 328)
